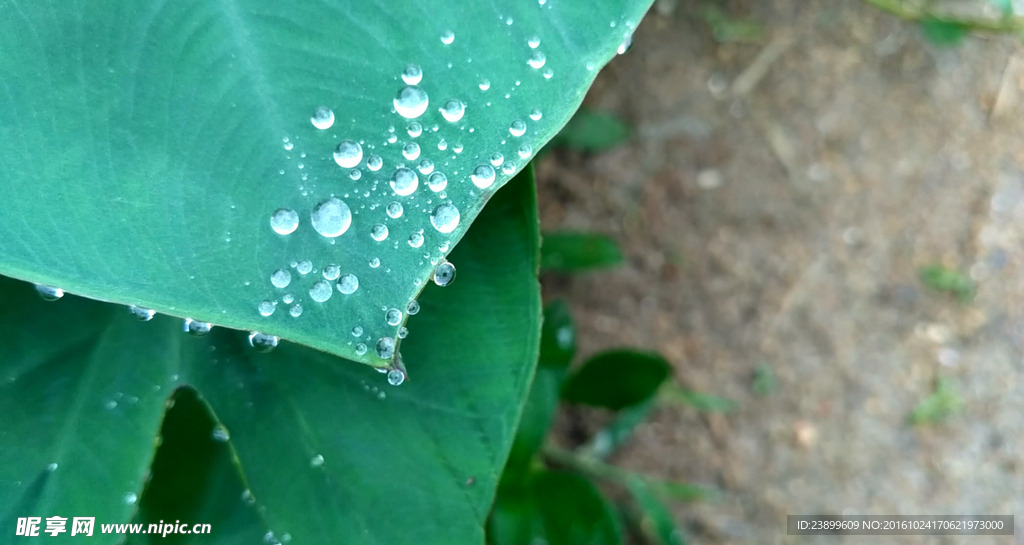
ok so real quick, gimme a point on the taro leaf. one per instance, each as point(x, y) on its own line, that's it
point(616, 379)
point(578, 252)
point(326, 449)
point(146, 145)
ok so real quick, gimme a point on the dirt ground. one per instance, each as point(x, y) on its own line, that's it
point(775, 206)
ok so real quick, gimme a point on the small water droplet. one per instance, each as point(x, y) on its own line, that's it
point(51, 467)
point(415, 129)
point(517, 128)
point(411, 102)
point(130, 498)
point(497, 159)
point(525, 151)
point(394, 209)
point(535, 114)
point(281, 278)
point(379, 232)
point(320, 291)
point(357, 331)
point(509, 168)
point(317, 461)
point(412, 74)
point(287, 144)
point(322, 118)
point(626, 45)
point(396, 377)
point(220, 433)
point(533, 42)
point(453, 110)
point(437, 182)
point(445, 217)
point(331, 218)
point(304, 267)
point(287, 298)
point(374, 162)
point(284, 221)
point(483, 176)
point(263, 342)
point(348, 154)
point(403, 332)
point(442, 144)
point(485, 85)
point(404, 181)
point(266, 308)
point(393, 316)
point(355, 174)
point(457, 147)
point(374, 262)
point(413, 308)
point(197, 328)
point(360, 349)
point(331, 272)
point(296, 310)
point(142, 314)
point(385, 347)
point(248, 498)
point(536, 60)
point(411, 151)
point(425, 167)
point(447, 37)
point(416, 239)
point(444, 274)
point(348, 284)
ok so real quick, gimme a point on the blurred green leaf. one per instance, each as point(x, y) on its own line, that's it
point(616, 379)
point(612, 436)
point(1005, 7)
point(592, 132)
point(574, 511)
point(654, 521)
point(939, 405)
point(515, 518)
point(943, 33)
point(765, 383)
point(948, 280)
point(576, 252)
point(728, 29)
point(700, 401)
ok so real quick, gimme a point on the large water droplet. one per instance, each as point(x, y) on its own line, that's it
point(197, 328)
point(284, 221)
point(331, 218)
point(331, 272)
point(444, 274)
point(394, 209)
point(404, 181)
point(385, 347)
point(517, 128)
point(320, 291)
point(393, 316)
point(413, 308)
point(374, 162)
point(348, 154)
point(395, 377)
point(266, 308)
point(49, 293)
point(348, 284)
point(412, 74)
point(379, 232)
point(142, 314)
point(281, 278)
point(482, 176)
point(437, 182)
point(445, 217)
point(263, 342)
point(411, 102)
point(322, 118)
point(411, 151)
point(447, 37)
point(453, 110)
point(537, 60)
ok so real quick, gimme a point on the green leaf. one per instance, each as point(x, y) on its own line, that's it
point(939, 405)
point(573, 510)
point(593, 132)
point(765, 382)
point(616, 379)
point(325, 449)
point(944, 33)
point(698, 400)
point(146, 145)
point(577, 252)
point(654, 520)
point(952, 281)
point(617, 432)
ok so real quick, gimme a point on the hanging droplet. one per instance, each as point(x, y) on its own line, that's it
point(404, 181)
point(281, 278)
point(394, 210)
point(331, 218)
point(447, 37)
point(626, 45)
point(263, 342)
point(411, 102)
point(320, 291)
point(284, 221)
point(453, 110)
point(445, 217)
point(379, 232)
point(385, 347)
point(348, 284)
point(49, 293)
point(437, 182)
point(197, 328)
point(142, 314)
point(220, 434)
point(444, 274)
point(412, 74)
point(413, 308)
point(483, 176)
point(322, 118)
point(348, 154)
point(393, 316)
point(396, 377)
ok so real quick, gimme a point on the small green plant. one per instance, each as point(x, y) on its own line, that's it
point(946, 27)
point(941, 404)
point(946, 280)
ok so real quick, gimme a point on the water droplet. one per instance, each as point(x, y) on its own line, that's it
point(525, 151)
point(411, 151)
point(412, 74)
point(287, 298)
point(508, 168)
point(485, 85)
point(348, 284)
point(457, 147)
point(444, 274)
point(533, 42)
point(331, 218)
point(517, 128)
point(483, 176)
point(317, 461)
point(425, 167)
point(142, 314)
point(296, 310)
point(331, 272)
point(130, 498)
point(284, 221)
point(395, 377)
point(394, 209)
point(357, 331)
point(322, 118)
point(626, 45)
point(393, 316)
point(374, 162)
point(248, 498)
point(355, 174)
point(453, 110)
point(49, 293)
point(415, 129)
point(497, 159)
point(374, 262)
point(287, 144)
point(197, 328)
point(220, 433)
point(535, 114)
point(445, 217)
point(266, 308)
point(51, 467)
point(281, 278)
point(348, 154)
point(385, 347)
point(447, 37)
point(360, 349)
point(413, 308)
point(416, 239)
point(379, 232)
point(442, 145)
point(537, 60)
point(404, 181)
point(548, 72)
point(320, 291)
point(411, 102)
point(263, 342)
point(304, 267)
point(437, 182)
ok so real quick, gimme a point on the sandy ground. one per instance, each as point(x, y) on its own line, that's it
point(775, 205)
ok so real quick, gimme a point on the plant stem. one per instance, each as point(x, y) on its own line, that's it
point(917, 11)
